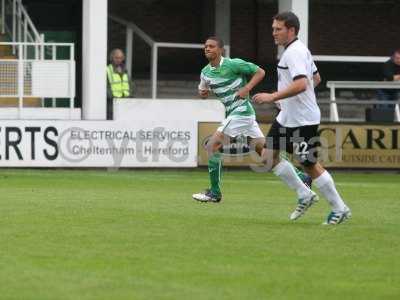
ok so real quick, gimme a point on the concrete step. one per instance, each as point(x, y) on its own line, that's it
point(5, 50)
point(8, 79)
point(4, 37)
point(346, 111)
point(12, 89)
point(9, 68)
point(27, 102)
point(8, 57)
point(167, 83)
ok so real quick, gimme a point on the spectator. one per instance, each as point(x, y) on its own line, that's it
point(119, 84)
point(391, 72)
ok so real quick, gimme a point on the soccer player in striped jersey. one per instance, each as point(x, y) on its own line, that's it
point(228, 80)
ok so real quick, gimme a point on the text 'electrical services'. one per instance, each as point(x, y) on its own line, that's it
point(143, 135)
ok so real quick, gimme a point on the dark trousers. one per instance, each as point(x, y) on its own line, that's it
point(110, 108)
point(387, 95)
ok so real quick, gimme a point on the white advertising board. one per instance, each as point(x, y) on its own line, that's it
point(114, 144)
point(169, 109)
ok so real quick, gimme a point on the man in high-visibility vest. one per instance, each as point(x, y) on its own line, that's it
point(118, 81)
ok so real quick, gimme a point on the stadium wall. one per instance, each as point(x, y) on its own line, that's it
point(178, 143)
point(155, 133)
point(341, 146)
point(336, 28)
point(98, 144)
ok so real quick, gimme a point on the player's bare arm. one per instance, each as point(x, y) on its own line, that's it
point(296, 87)
point(257, 77)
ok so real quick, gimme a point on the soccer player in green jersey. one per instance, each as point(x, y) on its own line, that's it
point(228, 80)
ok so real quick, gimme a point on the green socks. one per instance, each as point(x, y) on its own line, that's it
point(214, 169)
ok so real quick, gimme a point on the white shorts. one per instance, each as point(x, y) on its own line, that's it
point(238, 125)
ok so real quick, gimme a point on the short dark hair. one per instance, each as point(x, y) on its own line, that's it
point(290, 20)
point(219, 41)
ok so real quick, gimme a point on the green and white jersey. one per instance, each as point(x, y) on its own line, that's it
point(225, 80)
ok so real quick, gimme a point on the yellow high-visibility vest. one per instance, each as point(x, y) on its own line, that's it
point(119, 84)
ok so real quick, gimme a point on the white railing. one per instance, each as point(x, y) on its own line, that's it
point(16, 22)
point(333, 85)
point(132, 28)
point(26, 76)
point(349, 58)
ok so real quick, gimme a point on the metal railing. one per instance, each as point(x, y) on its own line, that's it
point(333, 85)
point(132, 28)
point(349, 58)
point(16, 22)
point(26, 76)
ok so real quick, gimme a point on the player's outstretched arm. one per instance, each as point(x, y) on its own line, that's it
point(296, 87)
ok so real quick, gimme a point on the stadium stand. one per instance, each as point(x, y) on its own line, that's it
point(31, 69)
point(9, 79)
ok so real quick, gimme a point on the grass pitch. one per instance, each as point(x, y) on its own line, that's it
point(139, 235)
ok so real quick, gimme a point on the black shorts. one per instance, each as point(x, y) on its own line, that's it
point(301, 141)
